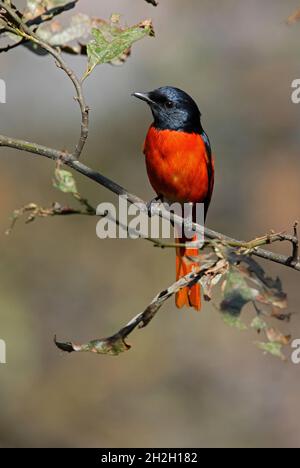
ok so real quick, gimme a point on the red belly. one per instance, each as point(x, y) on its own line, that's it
point(177, 165)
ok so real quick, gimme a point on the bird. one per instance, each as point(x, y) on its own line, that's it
point(180, 168)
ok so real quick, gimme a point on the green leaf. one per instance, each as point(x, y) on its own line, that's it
point(111, 42)
point(258, 324)
point(234, 322)
point(275, 349)
point(64, 181)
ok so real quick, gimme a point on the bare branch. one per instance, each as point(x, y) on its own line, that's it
point(24, 31)
point(12, 46)
point(33, 211)
point(69, 160)
point(116, 343)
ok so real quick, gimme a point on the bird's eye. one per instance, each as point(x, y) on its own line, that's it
point(169, 104)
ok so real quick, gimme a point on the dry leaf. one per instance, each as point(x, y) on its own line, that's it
point(275, 336)
point(294, 18)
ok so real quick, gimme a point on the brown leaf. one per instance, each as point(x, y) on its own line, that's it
point(274, 298)
point(275, 336)
point(212, 277)
point(294, 18)
point(279, 315)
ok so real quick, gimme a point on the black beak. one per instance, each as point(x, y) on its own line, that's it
point(143, 97)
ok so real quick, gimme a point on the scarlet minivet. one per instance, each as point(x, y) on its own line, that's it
point(180, 166)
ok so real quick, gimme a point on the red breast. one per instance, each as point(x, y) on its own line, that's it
point(177, 165)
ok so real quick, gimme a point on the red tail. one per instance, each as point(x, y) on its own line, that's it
point(189, 296)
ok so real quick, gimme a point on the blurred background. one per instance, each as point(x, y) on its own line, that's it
point(189, 380)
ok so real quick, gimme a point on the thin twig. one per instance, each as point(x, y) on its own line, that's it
point(24, 31)
point(247, 246)
point(70, 161)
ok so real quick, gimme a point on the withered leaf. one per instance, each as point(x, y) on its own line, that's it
point(279, 315)
point(236, 292)
point(294, 17)
point(268, 291)
point(212, 277)
point(275, 336)
point(56, 34)
point(247, 282)
point(46, 8)
point(113, 346)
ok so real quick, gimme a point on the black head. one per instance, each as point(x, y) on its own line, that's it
point(173, 109)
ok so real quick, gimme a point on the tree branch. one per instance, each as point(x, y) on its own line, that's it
point(153, 2)
point(51, 13)
point(69, 160)
point(295, 242)
point(23, 30)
